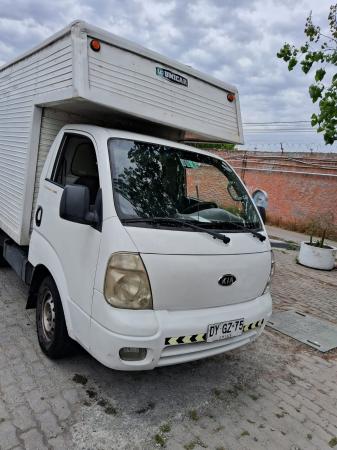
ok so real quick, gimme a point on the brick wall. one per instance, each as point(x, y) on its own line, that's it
point(299, 185)
point(216, 191)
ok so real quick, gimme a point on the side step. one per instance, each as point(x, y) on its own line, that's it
point(17, 258)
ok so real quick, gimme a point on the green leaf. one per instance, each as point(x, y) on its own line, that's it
point(285, 52)
point(314, 120)
point(306, 65)
point(315, 92)
point(292, 63)
point(319, 74)
point(329, 138)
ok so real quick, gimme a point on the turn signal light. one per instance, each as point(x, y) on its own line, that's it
point(230, 97)
point(95, 45)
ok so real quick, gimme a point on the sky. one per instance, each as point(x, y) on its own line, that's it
point(234, 40)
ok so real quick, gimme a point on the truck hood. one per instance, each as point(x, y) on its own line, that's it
point(175, 242)
point(184, 268)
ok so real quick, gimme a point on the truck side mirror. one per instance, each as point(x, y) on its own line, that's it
point(75, 205)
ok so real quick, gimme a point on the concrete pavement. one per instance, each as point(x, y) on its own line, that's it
point(275, 394)
point(292, 236)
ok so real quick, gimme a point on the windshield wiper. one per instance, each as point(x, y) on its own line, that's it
point(221, 237)
point(260, 236)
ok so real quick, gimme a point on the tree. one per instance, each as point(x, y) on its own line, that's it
point(147, 182)
point(320, 53)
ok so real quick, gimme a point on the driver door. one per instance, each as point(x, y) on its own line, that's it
point(76, 245)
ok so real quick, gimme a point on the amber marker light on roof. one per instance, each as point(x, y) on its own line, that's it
point(230, 97)
point(95, 45)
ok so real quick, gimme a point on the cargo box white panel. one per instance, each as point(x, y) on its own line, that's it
point(45, 71)
point(132, 83)
point(123, 83)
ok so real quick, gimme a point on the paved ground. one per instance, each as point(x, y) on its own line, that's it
point(274, 394)
point(292, 236)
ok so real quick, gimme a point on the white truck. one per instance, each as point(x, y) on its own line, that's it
point(144, 250)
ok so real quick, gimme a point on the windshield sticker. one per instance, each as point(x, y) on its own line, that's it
point(171, 76)
point(189, 164)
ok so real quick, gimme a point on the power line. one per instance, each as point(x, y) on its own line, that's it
point(280, 131)
point(267, 123)
point(299, 126)
point(312, 147)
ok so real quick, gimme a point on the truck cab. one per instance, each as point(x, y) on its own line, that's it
point(155, 251)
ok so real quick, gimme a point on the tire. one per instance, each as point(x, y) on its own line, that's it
point(50, 322)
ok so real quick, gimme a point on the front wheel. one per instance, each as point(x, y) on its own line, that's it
point(50, 323)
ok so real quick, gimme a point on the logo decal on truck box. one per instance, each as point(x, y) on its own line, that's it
point(171, 76)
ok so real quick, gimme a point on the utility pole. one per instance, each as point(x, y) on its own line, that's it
point(243, 166)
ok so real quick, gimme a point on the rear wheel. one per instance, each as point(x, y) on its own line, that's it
point(50, 323)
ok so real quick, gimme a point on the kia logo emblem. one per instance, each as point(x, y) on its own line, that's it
point(227, 280)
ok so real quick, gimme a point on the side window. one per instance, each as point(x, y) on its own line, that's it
point(77, 164)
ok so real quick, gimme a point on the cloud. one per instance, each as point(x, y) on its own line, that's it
point(233, 40)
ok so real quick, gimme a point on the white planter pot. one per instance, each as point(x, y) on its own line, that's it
point(316, 257)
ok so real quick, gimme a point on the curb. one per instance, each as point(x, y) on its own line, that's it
point(282, 244)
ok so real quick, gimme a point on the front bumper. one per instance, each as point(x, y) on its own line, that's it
point(105, 343)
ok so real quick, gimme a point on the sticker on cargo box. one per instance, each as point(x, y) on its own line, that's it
point(171, 76)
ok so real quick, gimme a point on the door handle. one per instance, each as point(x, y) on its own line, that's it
point(38, 216)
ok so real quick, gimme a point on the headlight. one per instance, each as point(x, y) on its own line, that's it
point(126, 282)
point(271, 273)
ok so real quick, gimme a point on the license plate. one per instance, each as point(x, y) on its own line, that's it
point(224, 330)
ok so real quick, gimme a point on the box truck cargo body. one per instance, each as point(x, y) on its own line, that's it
point(115, 86)
point(104, 211)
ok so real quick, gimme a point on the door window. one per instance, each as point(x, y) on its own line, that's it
point(77, 164)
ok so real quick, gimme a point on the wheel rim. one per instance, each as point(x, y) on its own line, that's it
point(48, 315)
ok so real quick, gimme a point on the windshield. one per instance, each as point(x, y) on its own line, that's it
point(152, 180)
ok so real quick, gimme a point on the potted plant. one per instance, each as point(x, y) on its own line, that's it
point(314, 253)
